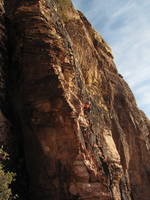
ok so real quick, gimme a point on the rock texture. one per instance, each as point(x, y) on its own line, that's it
point(3, 72)
point(57, 62)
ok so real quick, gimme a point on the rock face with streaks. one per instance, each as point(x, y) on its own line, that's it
point(57, 64)
point(3, 131)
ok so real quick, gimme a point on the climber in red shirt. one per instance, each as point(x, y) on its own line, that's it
point(87, 107)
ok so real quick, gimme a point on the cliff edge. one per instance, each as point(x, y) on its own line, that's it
point(72, 113)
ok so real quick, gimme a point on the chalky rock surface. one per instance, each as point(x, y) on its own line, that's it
point(57, 63)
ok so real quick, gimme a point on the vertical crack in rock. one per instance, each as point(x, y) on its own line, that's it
point(77, 121)
point(4, 123)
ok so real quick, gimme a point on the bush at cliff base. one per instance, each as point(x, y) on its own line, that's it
point(6, 178)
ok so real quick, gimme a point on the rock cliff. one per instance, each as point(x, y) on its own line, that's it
point(72, 113)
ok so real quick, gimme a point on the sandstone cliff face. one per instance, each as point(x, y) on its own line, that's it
point(57, 63)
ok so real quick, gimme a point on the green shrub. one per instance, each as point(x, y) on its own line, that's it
point(6, 178)
point(63, 7)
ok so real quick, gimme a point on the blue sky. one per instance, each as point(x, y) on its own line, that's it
point(125, 26)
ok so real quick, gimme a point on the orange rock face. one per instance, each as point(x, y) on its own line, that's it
point(57, 63)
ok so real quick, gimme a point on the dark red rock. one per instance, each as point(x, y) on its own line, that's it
point(4, 122)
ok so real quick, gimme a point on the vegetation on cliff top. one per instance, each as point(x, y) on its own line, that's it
point(64, 6)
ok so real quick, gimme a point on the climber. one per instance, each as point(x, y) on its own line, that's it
point(87, 107)
point(83, 129)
